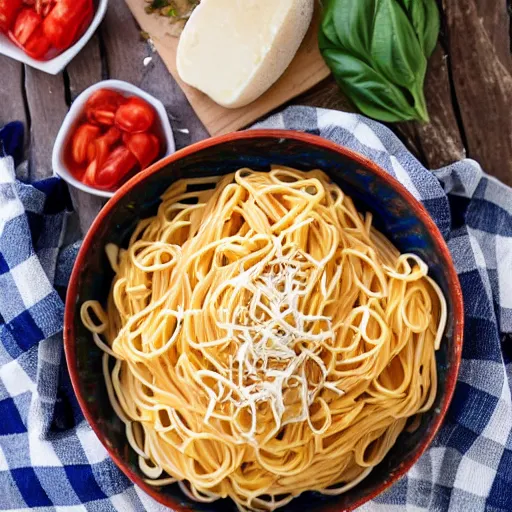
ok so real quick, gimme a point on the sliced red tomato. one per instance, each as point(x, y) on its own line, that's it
point(101, 107)
point(27, 33)
point(104, 145)
point(145, 147)
point(25, 25)
point(89, 177)
point(38, 47)
point(66, 22)
point(112, 136)
point(135, 116)
point(8, 11)
point(83, 140)
point(118, 165)
point(102, 152)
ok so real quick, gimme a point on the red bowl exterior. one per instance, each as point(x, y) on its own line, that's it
point(418, 210)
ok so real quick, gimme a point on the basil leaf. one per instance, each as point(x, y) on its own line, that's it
point(424, 17)
point(327, 29)
point(395, 49)
point(396, 52)
point(351, 24)
point(375, 55)
point(372, 93)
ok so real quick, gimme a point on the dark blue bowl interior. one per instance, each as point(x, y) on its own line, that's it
point(393, 215)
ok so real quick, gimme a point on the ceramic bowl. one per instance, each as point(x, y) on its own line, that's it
point(58, 63)
point(76, 111)
point(396, 212)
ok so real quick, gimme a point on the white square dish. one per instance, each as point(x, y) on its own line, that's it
point(57, 64)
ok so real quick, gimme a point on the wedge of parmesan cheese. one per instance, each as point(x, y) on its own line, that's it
point(234, 50)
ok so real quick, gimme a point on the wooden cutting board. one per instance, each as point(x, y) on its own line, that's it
point(306, 70)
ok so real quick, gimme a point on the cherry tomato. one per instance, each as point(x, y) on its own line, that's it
point(27, 33)
point(135, 116)
point(118, 165)
point(112, 136)
point(67, 21)
point(101, 107)
point(145, 147)
point(89, 177)
point(8, 11)
point(25, 25)
point(38, 46)
point(103, 146)
point(83, 139)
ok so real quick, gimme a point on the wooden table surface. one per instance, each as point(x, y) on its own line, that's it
point(468, 90)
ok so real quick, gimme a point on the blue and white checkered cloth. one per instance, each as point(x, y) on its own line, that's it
point(51, 460)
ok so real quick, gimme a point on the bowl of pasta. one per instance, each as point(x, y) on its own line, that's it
point(264, 320)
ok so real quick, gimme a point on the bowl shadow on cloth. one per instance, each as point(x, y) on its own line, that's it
point(393, 214)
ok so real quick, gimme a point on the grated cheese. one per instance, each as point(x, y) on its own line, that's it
point(275, 339)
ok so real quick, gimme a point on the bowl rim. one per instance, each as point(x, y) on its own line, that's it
point(455, 293)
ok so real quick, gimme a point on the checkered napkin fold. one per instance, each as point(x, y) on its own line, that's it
point(51, 460)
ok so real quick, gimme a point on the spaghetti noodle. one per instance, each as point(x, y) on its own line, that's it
point(267, 339)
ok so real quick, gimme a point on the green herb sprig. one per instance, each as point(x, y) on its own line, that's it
point(378, 51)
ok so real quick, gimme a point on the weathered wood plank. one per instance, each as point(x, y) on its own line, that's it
point(84, 71)
point(12, 90)
point(126, 54)
point(326, 94)
point(86, 68)
point(47, 105)
point(438, 142)
point(497, 24)
point(481, 68)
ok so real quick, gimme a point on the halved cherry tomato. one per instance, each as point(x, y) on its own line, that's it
point(27, 33)
point(135, 116)
point(101, 107)
point(104, 145)
point(25, 25)
point(145, 147)
point(38, 47)
point(83, 140)
point(8, 11)
point(66, 22)
point(89, 177)
point(112, 136)
point(120, 162)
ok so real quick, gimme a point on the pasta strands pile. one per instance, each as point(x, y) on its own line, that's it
point(267, 340)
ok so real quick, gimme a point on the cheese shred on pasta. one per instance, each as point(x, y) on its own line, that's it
point(266, 339)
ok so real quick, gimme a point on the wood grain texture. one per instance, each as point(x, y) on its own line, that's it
point(12, 101)
point(326, 94)
point(306, 70)
point(438, 142)
point(481, 67)
point(46, 100)
point(11, 91)
point(86, 68)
